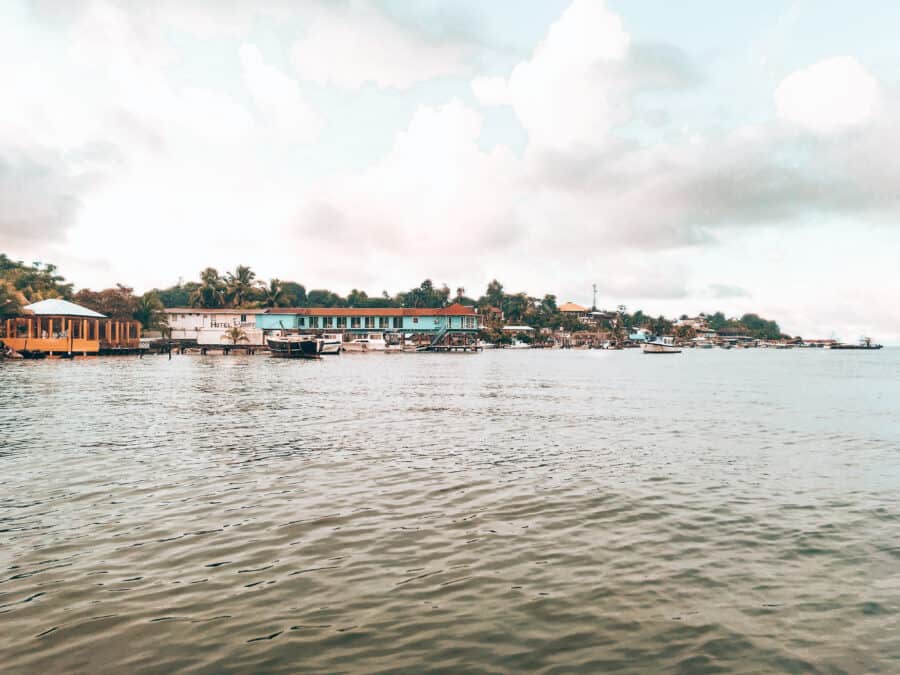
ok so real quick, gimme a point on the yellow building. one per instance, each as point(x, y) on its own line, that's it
point(61, 327)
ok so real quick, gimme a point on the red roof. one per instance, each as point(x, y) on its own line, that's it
point(453, 310)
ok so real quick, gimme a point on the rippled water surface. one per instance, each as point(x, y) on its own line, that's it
point(507, 511)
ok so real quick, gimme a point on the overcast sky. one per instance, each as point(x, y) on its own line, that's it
point(684, 157)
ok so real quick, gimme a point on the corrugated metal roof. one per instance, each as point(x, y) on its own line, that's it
point(58, 307)
point(453, 310)
point(217, 310)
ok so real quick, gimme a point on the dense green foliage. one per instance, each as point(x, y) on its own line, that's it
point(21, 284)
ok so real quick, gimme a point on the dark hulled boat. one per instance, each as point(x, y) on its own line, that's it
point(864, 343)
point(294, 346)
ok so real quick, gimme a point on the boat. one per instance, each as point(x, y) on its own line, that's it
point(331, 343)
point(371, 342)
point(294, 346)
point(518, 344)
point(661, 345)
point(864, 343)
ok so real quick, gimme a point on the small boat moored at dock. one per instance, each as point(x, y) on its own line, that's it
point(371, 342)
point(294, 346)
point(661, 345)
point(864, 343)
point(331, 343)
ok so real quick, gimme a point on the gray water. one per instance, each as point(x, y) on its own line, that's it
point(508, 511)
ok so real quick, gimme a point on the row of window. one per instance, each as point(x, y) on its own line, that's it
point(382, 322)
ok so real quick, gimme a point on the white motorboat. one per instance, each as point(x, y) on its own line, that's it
point(371, 342)
point(331, 343)
point(661, 345)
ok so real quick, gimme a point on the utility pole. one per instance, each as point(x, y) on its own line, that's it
point(620, 327)
point(594, 306)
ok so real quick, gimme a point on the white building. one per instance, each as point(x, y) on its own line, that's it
point(208, 326)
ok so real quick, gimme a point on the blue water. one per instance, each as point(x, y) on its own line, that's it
point(509, 511)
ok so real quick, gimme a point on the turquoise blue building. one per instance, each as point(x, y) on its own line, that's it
point(454, 319)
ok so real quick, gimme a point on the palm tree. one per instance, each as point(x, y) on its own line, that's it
point(150, 311)
point(274, 294)
point(239, 286)
point(235, 334)
point(210, 291)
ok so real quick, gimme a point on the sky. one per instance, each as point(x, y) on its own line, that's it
point(684, 157)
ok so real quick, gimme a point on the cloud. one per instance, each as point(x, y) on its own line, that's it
point(577, 85)
point(278, 99)
point(829, 96)
point(41, 190)
point(435, 191)
point(728, 291)
point(349, 45)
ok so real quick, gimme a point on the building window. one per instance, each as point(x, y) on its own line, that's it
point(341, 322)
point(370, 322)
point(398, 322)
point(415, 319)
point(354, 322)
point(327, 322)
point(313, 322)
point(243, 318)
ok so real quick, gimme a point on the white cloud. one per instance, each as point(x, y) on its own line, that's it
point(568, 94)
point(278, 98)
point(352, 45)
point(436, 193)
point(491, 91)
point(831, 95)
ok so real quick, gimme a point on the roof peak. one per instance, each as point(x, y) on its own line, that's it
point(60, 307)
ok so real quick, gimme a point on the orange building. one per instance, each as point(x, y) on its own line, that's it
point(61, 327)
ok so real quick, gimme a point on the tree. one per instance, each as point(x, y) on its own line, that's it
point(294, 293)
point(274, 295)
point(211, 291)
point(516, 307)
point(357, 298)
point(240, 287)
point(150, 311)
point(178, 295)
point(426, 295)
point(494, 294)
point(116, 303)
point(235, 334)
point(320, 297)
point(760, 328)
point(11, 300)
point(35, 282)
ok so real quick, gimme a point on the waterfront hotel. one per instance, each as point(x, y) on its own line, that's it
point(208, 326)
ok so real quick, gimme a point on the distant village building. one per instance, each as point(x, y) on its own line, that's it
point(491, 316)
point(579, 312)
point(58, 326)
point(589, 317)
point(698, 323)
